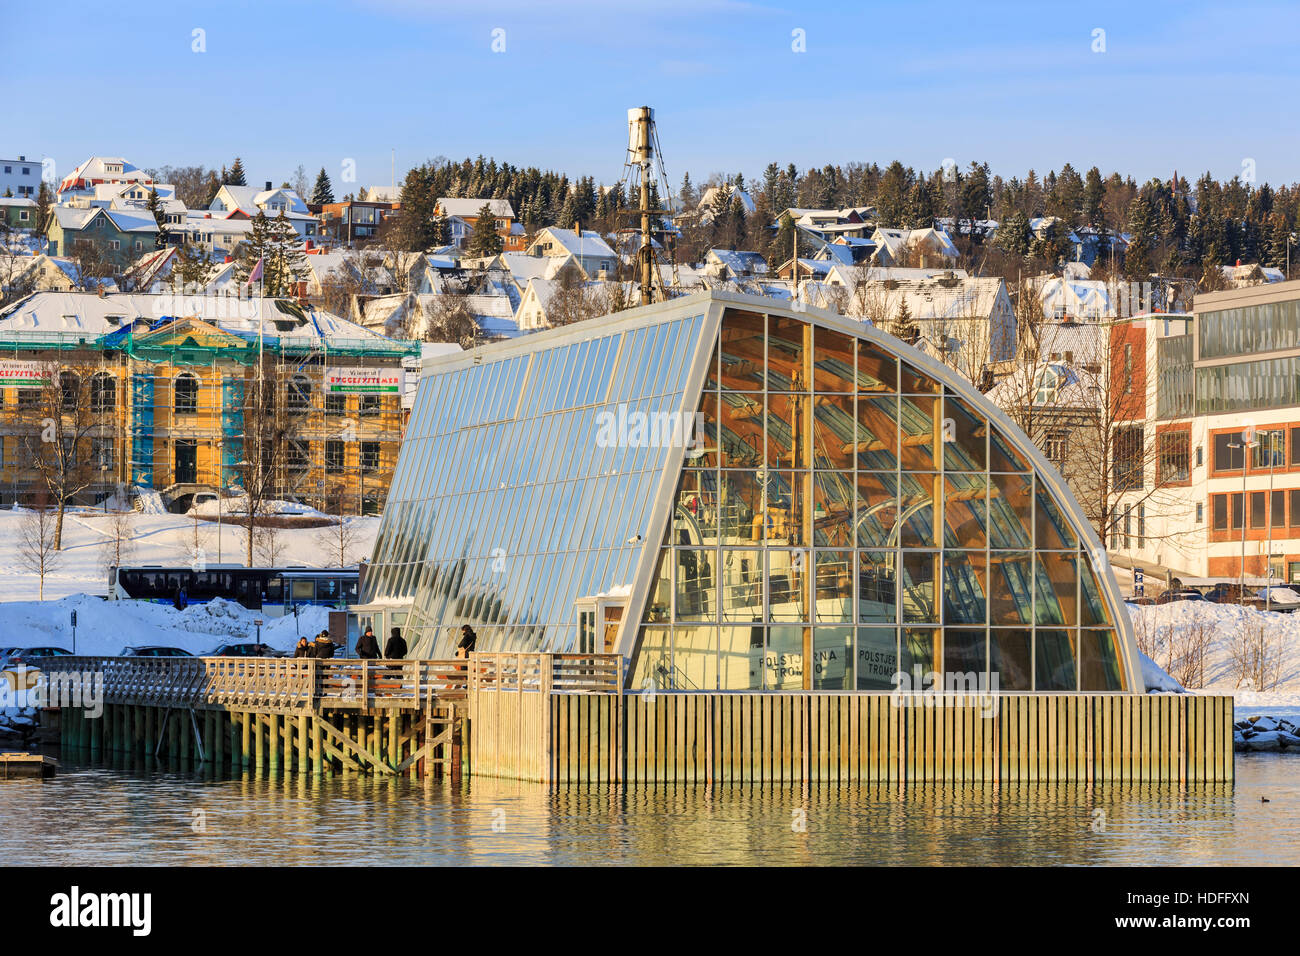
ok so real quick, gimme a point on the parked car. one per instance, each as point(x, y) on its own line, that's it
point(1229, 593)
point(155, 651)
point(1180, 594)
point(244, 650)
point(1277, 599)
point(15, 656)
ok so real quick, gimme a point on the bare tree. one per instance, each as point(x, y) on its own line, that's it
point(573, 299)
point(339, 540)
point(17, 269)
point(38, 549)
point(1255, 655)
point(269, 541)
point(60, 427)
point(96, 265)
point(448, 318)
point(119, 546)
point(264, 443)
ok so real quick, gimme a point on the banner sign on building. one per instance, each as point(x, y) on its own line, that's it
point(363, 380)
point(16, 374)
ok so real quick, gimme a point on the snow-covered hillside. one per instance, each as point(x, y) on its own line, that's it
point(155, 539)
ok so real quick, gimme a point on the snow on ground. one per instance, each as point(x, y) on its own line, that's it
point(165, 539)
point(104, 628)
point(1223, 624)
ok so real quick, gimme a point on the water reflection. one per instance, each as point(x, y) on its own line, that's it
point(142, 815)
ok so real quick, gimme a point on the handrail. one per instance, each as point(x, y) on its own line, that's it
point(303, 683)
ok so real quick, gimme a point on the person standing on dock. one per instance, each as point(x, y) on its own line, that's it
point(323, 647)
point(396, 646)
point(367, 645)
point(468, 640)
point(303, 649)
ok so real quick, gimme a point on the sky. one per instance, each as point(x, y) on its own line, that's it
point(1144, 88)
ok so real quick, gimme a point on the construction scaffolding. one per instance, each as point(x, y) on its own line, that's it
point(170, 404)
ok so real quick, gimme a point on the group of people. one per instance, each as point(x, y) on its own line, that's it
point(368, 645)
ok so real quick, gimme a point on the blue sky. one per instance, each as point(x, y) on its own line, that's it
point(1186, 86)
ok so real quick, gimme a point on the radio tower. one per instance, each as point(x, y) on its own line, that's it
point(644, 166)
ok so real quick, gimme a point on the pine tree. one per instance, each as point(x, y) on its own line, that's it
point(484, 241)
point(288, 262)
point(324, 191)
point(258, 244)
point(191, 269)
point(1013, 236)
point(44, 202)
point(904, 327)
point(155, 207)
point(687, 195)
point(235, 176)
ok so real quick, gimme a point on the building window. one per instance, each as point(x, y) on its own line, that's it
point(336, 404)
point(370, 405)
point(29, 398)
point(333, 457)
point(1258, 502)
point(69, 391)
point(1270, 449)
point(1277, 509)
point(1219, 512)
point(1128, 458)
point(101, 450)
point(298, 394)
point(103, 393)
point(1200, 512)
point(1142, 525)
point(298, 454)
point(1056, 447)
point(1226, 457)
point(187, 394)
point(369, 456)
point(1200, 456)
point(1128, 526)
point(1173, 457)
point(1295, 507)
point(1238, 513)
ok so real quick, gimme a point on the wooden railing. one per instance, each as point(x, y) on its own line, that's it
point(290, 684)
point(550, 673)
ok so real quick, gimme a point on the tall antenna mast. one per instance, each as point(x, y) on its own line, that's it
point(644, 163)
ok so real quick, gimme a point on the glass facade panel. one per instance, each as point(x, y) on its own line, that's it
point(783, 663)
point(876, 661)
point(832, 658)
point(1010, 658)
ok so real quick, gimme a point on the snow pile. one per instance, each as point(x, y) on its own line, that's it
point(105, 628)
point(1155, 678)
point(149, 502)
point(1168, 633)
point(1266, 735)
point(161, 539)
point(238, 505)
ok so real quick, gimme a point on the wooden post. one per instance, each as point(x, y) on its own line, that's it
point(302, 764)
point(209, 737)
point(245, 740)
point(219, 735)
point(394, 756)
point(173, 739)
point(317, 750)
point(273, 733)
point(150, 731)
point(259, 753)
point(97, 733)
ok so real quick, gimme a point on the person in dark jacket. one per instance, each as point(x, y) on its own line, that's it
point(304, 649)
point(396, 646)
point(323, 647)
point(367, 645)
point(468, 640)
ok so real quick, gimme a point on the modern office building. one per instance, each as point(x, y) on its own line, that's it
point(1216, 495)
point(735, 493)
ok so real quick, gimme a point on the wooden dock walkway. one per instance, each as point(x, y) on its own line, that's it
point(567, 719)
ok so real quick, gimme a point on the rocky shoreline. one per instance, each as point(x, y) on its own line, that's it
point(1263, 734)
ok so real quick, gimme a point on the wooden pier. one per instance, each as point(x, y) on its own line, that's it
point(567, 719)
point(22, 764)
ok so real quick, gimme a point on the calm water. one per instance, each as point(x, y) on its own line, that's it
point(96, 815)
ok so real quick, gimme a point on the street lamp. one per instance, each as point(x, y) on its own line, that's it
point(1246, 442)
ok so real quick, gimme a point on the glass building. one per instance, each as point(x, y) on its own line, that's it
point(736, 494)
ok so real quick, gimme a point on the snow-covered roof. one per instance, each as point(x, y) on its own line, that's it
point(103, 169)
point(468, 208)
point(590, 244)
point(99, 315)
point(738, 262)
point(1078, 298)
point(380, 193)
point(73, 218)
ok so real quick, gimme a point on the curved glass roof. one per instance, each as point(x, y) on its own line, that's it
point(769, 499)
